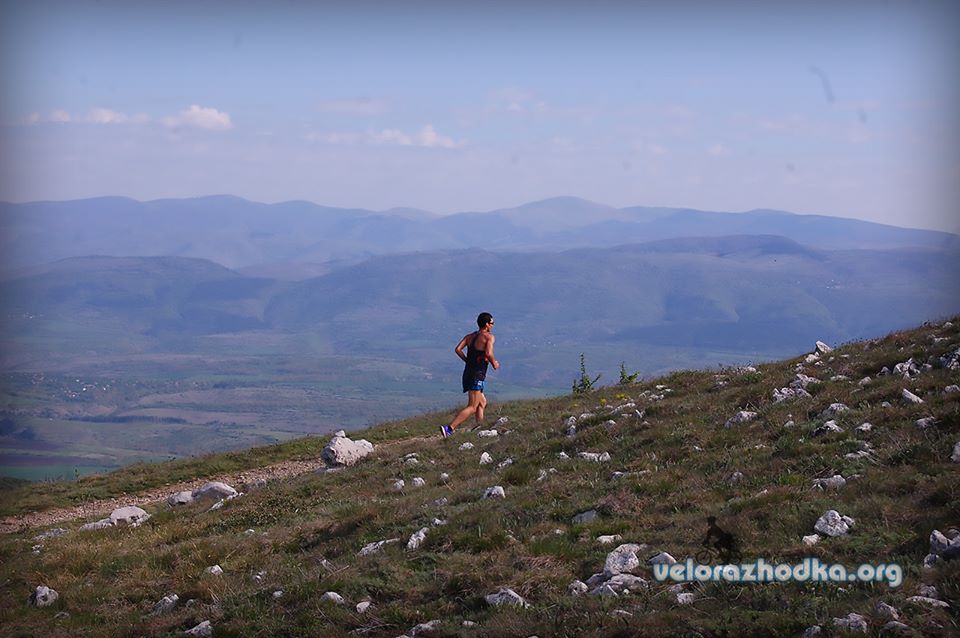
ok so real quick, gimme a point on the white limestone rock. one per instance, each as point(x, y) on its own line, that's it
point(502, 421)
point(43, 596)
point(486, 434)
point(686, 598)
point(342, 451)
point(955, 457)
point(609, 539)
point(852, 622)
point(418, 481)
point(131, 516)
point(214, 490)
point(823, 348)
point(811, 540)
point(595, 457)
point(485, 459)
point(506, 596)
point(865, 427)
point(398, 485)
point(180, 498)
point(835, 482)
point(951, 360)
point(925, 422)
point(417, 538)
point(165, 604)
point(585, 517)
point(444, 477)
point(372, 548)
point(910, 397)
point(829, 427)
point(363, 606)
point(663, 558)
point(103, 523)
point(577, 588)
point(930, 602)
point(743, 416)
point(203, 630)
point(622, 560)
point(332, 597)
point(51, 533)
point(833, 410)
point(214, 570)
point(833, 524)
point(887, 611)
point(494, 492)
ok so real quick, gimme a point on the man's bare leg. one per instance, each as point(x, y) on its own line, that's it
point(473, 400)
point(479, 413)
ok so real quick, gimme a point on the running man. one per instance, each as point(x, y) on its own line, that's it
point(479, 352)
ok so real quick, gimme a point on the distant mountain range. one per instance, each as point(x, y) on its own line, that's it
point(297, 239)
point(653, 304)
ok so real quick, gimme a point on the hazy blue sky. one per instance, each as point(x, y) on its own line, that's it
point(841, 108)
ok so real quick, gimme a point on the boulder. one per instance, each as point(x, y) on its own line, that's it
point(622, 560)
point(577, 588)
point(663, 558)
point(887, 611)
point(811, 540)
point(910, 397)
point(363, 606)
point(585, 517)
point(214, 570)
point(417, 538)
point(332, 597)
point(743, 416)
point(131, 516)
point(101, 524)
point(43, 596)
point(505, 596)
point(467, 445)
point(595, 457)
point(418, 481)
point(375, 547)
point(203, 630)
point(835, 482)
point(485, 459)
point(925, 422)
point(494, 492)
point(485, 434)
point(180, 498)
point(951, 360)
point(214, 490)
point(822, 348)
point(500, 422)
point(829, 427)
point(686, 598)
point(342, 451)
point(852, 622)
point(165, 604)
point(607, 540)
point(833, 524)
point(833, 410)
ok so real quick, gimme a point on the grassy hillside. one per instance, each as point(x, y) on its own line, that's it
point(679, 461)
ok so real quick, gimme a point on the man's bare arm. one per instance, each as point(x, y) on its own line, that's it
point(460, 346)
point(489, 353)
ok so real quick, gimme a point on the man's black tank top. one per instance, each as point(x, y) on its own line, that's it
point(476, 364)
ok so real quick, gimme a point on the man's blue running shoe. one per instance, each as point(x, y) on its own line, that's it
point(446, 431)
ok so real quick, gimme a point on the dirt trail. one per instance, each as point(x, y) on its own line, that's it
point(101, 508)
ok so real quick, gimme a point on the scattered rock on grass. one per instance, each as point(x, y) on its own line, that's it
point(505, 596)
point(203, 630)
point(333, 597)
point(852, 622)
point(43, 596)
point(743, 416)
point(833, 524)
point(343, 451)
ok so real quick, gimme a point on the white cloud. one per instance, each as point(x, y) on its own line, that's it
point(60, 116)
point(426, 137)
point(199, 117)
point(33, 118)
point(101, 115)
